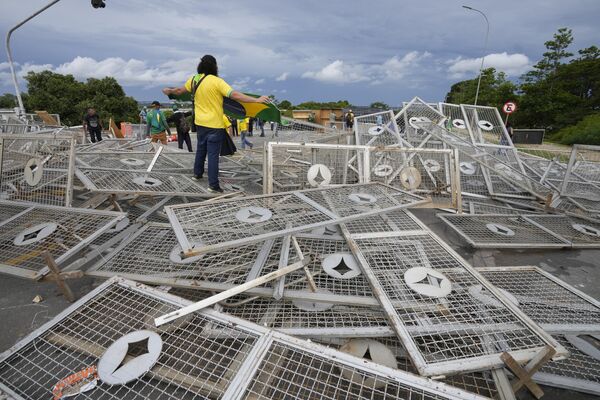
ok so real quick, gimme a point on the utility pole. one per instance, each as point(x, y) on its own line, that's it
point(487, 33)
point(9, 53)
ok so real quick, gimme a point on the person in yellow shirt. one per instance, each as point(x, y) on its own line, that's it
point(208, 92)
point(244, 131)
point(228, 126)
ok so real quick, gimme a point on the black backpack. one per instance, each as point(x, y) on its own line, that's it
point(183, 125)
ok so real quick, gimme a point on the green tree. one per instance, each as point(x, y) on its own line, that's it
point(380, 105)
point(586, 131)
point(314, 105)
point(556, 52)
point(494, 91)
point(8, 100)
point(285, 105)
point(68, 97)
point(557, 94)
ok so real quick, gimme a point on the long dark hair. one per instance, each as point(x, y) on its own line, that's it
point(208, 66)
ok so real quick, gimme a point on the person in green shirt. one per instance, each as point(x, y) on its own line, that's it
point(156, 124)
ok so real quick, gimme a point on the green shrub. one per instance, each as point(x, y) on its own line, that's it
point(586, 131)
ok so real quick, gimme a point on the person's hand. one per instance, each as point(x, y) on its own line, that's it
point(263, 99)
point(167, 91)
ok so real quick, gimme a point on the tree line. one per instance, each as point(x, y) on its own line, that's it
point(70, 98)
point(560, 94)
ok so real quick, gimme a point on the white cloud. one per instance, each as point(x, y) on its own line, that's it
point(259, 81)
point(130, 72)
point(512, 64)
point(392, 69)
point(338, 72)
point(282, 77)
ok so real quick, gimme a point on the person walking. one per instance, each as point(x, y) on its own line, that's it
point(233, 124)
point(250, 127)
point(350, 120)
point(179, 118)
point(208, 91)
point(243, 125)
point(143, 115)
point(156, 124)
point(261, 126)
point(93, 125)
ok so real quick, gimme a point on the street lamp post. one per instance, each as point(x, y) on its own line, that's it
point(9, 53)
point(487, 32)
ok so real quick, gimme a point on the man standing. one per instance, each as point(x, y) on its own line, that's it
point(156, 124)
point(93, 125)
point(179, 118)
point(332, 119)
point(208, 91)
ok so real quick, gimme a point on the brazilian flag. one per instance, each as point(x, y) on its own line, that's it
point(239, 110)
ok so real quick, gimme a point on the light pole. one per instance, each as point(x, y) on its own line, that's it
point(487, 33)
point(9, 53)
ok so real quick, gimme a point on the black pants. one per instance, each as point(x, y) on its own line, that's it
point(95, 134)
point(184, 137)
point(234, 129)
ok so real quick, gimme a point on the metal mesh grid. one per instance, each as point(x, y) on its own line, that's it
point(503, 168)
point(9, 209)
point(228, 223)
point(116, 144)
point(546, 166)
point(580, 371)
point(138, 182)
point(338, 320)
point(198, 360)
point(354, 200)
point(295, 166)
point(485, 125)
point(587, 205)
point(477, 207)
point(57, 230)
point(456, 120)
point(579, 232)
point(481, 383)
point(377, 129)
point(501, 231)
point(399, 220)
point(416, 111)
point(289, 373)
point(152, 255)
point(457, 326)
point(217, 224)
point(206, 355)
point(550, 302)
point(582, 178)
point(319, 249)
point(129, 161)
point(429, 173)
point(37, 168)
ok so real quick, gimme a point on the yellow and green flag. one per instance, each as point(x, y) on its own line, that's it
point(239, 110)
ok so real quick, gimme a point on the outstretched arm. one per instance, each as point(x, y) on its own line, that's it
point(178, 91)
point(239, 96)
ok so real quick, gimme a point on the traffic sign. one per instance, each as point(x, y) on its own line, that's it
point(509, 107)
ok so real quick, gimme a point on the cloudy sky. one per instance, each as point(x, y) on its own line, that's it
point(363, 51)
